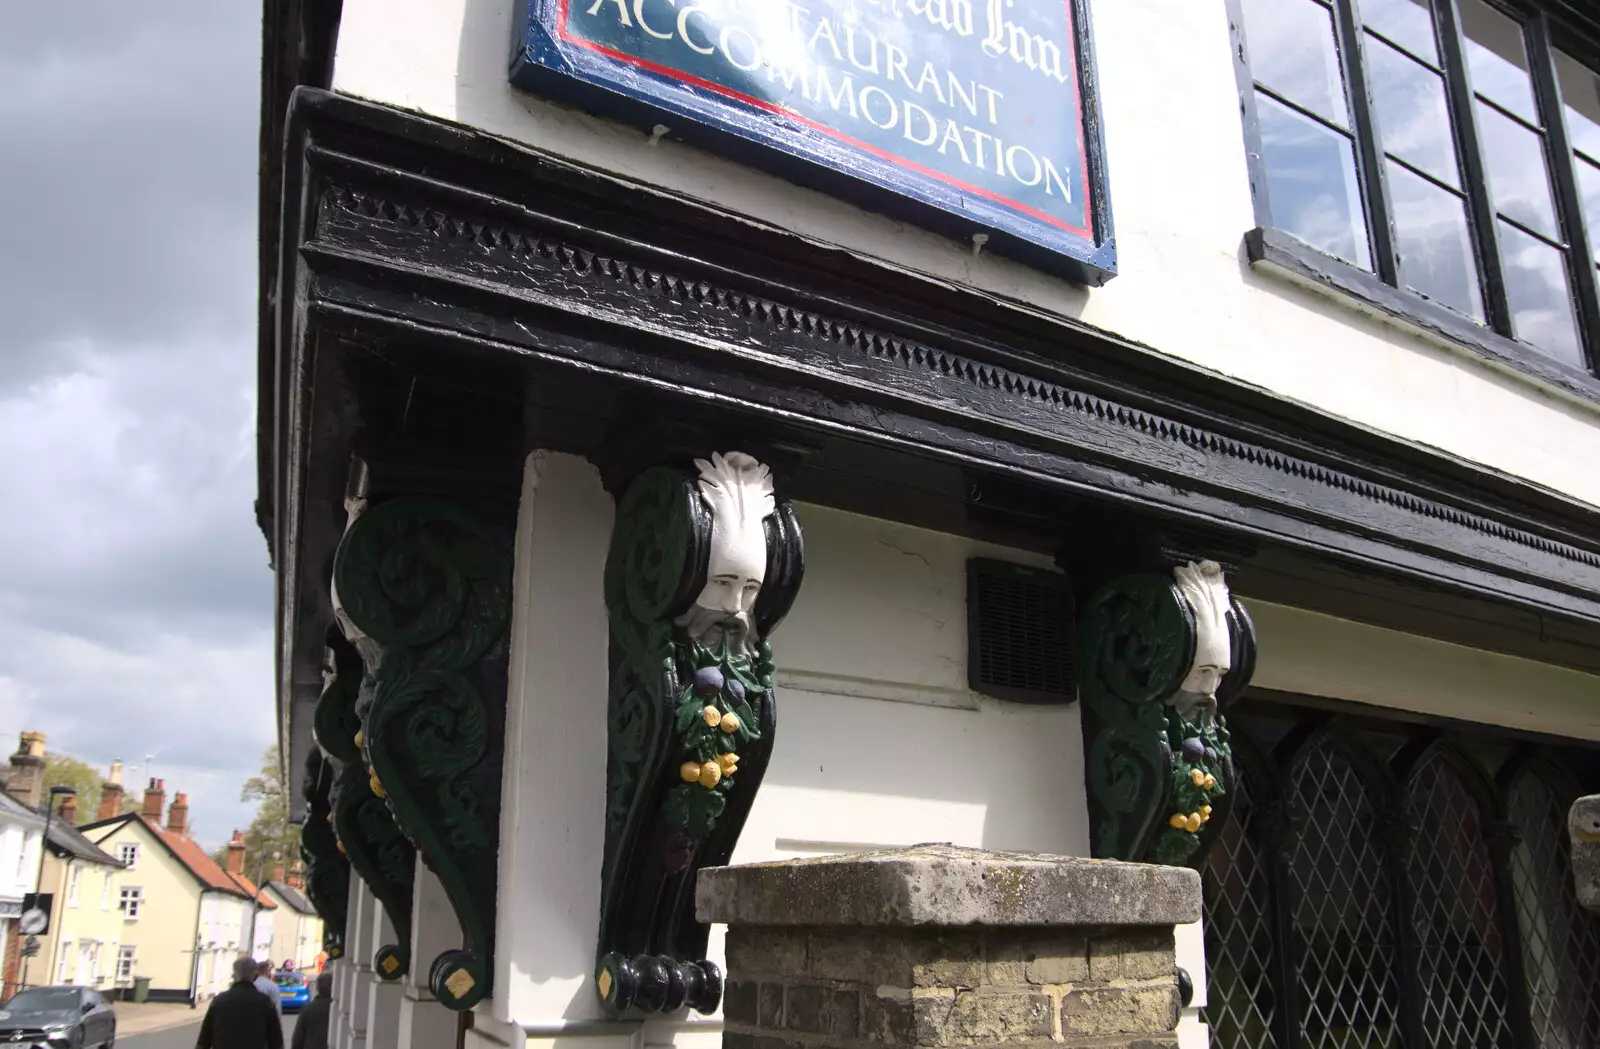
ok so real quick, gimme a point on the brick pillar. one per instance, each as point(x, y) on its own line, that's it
point(937, 946)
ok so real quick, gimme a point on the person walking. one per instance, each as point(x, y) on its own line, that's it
point(311, 1030)
point(266, 986)
point(241, 1017)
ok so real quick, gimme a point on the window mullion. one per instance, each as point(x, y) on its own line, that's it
point(1569, 207)
point(1480, 209)
point(1369, 153)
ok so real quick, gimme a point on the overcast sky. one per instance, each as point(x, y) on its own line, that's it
point(135, 597)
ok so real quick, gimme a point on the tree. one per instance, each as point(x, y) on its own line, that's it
point(270, 831)
point(62, 771)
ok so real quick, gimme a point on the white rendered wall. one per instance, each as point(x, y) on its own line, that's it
point(879, 742)
point(1179, 192)
point(1319, 655)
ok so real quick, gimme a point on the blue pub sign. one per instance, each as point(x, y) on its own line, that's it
point(977, 118)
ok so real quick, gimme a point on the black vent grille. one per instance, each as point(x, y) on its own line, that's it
point(1019, 633)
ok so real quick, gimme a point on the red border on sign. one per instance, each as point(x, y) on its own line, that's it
point(911, 165)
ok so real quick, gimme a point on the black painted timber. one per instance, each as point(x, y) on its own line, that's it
point(427, 265)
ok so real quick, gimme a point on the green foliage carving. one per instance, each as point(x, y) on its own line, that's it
point(715, 697)
point(429, 583)
point(327, 869)
point(1156, 778)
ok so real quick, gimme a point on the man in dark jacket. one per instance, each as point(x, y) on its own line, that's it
point(241, 1017)
point(311, 1030)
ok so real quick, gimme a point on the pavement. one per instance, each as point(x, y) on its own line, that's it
point(162, 1026)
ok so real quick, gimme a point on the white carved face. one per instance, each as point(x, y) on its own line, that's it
point(1206, 592)
point(737, 567)
point(737, 489)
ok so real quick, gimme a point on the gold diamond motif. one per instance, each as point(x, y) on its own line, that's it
point(460, 982)
point(390, 964)
point(603, 981)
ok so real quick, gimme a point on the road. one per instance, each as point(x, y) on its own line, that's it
point(182, 1037)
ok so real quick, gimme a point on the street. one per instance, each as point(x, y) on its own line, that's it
point(183, 1037)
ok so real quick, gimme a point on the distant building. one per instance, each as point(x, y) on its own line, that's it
point(21, 829)
point(185, 919)
point(296, 929)
point(85, 942)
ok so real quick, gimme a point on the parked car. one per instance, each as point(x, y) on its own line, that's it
point(293, 994)
point(62, 1017)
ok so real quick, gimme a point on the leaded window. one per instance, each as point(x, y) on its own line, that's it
point(1377, 885)
point(1449, 148)
point(1239, 933)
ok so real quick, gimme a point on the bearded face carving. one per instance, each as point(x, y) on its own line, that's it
point(1205, 591)
point(738, 491)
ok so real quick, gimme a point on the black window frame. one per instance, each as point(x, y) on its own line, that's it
point(1547, 26)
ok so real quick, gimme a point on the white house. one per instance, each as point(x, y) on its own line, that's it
point(21, 830)
point(1152, 429)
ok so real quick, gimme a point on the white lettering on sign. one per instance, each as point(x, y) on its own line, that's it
point(927, 105)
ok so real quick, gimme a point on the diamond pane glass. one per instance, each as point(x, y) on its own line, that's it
point(1560, 940)
point(1240, 1003)
point(1462, 983)
point(1341, 899)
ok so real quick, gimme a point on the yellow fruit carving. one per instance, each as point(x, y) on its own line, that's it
point(729, 723)
point(1179, 821)
point(710, 774)
point(1197, 777)
point(712, 715)
point(1193, 822)
point(1205, 810)
point(377, 787)
point(729, 763)
point(689, 771)
point(1209, 783)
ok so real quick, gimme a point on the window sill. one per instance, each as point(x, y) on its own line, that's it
point(1281, 252)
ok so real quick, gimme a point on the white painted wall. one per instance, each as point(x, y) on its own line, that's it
point(879, 742)
point(1181, 200)
point(1319, 655)
point(20, 837)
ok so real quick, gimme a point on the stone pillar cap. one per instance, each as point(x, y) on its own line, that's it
point(946, 885)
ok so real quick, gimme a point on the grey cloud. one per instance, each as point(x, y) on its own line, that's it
point(135, 601)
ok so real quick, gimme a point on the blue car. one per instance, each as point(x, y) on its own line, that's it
point(293, 992)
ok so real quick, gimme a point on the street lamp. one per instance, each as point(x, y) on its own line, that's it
point(49, 813)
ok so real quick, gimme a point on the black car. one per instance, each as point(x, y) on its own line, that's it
point(57, 1018)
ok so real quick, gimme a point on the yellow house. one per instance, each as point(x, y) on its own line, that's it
point(296, 928)
point(84, 944)
point(184, 919)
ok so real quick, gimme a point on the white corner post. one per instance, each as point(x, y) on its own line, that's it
point(424, 1023)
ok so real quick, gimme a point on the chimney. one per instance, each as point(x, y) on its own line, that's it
point(155, 799)
point(277, 874)
point(236, 853)
point(111, 794)
point(178, 815)
point(69, 810)
point(26, 781)
point(297, 879)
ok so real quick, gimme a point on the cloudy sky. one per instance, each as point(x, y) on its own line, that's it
point(135, 597)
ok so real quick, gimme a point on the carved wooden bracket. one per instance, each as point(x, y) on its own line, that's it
point(425, 584)
point(1159, 764)
point(327, 869)
point(1583, 827)
point(363, 830)
point(692, 711)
